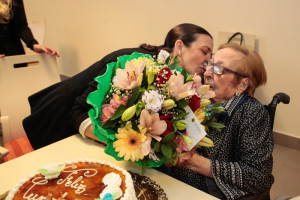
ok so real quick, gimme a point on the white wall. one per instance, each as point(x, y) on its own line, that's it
point(85, 31)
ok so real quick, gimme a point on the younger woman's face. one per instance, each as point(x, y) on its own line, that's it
point(192, 57)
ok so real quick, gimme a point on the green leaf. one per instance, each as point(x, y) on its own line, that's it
point(182, 115)
point(167, 150)
point(152, 88)
point(134, 96)
point(216, 110)
point(138, 111)
point(142, 90)
point(144, 81)
point(182, 103)
point(135, 127)
point(189, 78)
point(173, 145)
point(217, 105)
point(168, 138)
point(185, 75)
point(118, 112)
point(174, 63)
point(150, 78)
point(110, 123)
point(180, 110)
point(141, 104)
point(157, 147)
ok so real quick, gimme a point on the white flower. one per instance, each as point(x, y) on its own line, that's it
point(162, 56)
point(153, 100)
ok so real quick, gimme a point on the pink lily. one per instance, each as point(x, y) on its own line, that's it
point(205, 93)
point(155, 127)
point(202, 90)
point(178, 89)
point(130, 77)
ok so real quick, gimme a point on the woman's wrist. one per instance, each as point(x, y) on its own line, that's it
point(90, 133)
point(200, 165)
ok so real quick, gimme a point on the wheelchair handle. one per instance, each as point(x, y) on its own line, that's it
point(280, 97)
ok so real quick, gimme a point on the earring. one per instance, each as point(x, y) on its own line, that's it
point(179, 53)
point(237, 93)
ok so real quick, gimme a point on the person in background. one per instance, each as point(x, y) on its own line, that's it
point(239, 166)
point(65, 106)
point(13, 27)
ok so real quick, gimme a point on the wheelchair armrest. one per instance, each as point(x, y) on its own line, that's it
point(280, 97)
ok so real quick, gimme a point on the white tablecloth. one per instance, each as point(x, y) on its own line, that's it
point(74, 148)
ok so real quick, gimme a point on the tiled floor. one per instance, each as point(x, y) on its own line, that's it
point(286, 172)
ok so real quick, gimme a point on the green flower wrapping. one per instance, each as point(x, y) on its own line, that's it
point(96, 100)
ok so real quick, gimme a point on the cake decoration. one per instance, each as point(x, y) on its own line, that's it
point(112, 190)
point(51, 171)
point(76, 180)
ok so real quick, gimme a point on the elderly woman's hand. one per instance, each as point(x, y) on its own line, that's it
point(38, 48)
point(198, 164)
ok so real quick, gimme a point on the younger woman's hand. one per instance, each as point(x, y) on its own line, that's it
point(38, 48)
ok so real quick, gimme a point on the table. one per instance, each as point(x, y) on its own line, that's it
point(75, 147)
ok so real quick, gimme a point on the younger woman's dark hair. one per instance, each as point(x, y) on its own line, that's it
point(187, 33)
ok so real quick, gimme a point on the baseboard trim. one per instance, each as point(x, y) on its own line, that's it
point(286, 140)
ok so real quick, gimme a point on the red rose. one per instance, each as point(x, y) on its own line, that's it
point(162, 77)
point(170, 127)
point(165, 117)
point(194, 102)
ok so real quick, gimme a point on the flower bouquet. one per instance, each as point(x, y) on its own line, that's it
point(141, 110)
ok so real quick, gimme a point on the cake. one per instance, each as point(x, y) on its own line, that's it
point(83, 179)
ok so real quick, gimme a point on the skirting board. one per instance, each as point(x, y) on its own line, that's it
point(286, 140)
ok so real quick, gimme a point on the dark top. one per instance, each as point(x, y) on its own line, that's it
point(16, 29)
point(242, 156)
point(57, 111)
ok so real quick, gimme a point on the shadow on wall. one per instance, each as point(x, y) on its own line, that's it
point(261, 96)
point(70, 54)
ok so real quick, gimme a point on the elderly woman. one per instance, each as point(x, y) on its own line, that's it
point(239, 166)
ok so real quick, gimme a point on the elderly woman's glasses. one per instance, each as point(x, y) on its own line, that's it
point(219, 69)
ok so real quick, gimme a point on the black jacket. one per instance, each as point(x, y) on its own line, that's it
point(53, 108)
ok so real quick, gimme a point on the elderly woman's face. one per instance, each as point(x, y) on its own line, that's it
point(193, 57)
point(224, 84)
